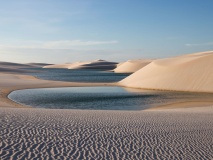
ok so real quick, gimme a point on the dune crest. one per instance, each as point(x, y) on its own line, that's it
point(192, 72)
point(97, 64)
point(131, 66)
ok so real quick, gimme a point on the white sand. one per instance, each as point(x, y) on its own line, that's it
point(131, 66)
point(82, 134)
point(193, 72)
point(9, 67)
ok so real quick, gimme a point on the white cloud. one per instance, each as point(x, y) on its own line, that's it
point(68, 44)
point(199, 44)
point(63, 44)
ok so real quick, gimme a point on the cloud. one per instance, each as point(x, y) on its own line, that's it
point(199, 44)
point(63, 44)
point(68, 44)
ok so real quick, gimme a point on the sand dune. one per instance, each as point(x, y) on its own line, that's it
point(131, 66)
point(19, 65)
point(192, 72)
point(97, 64)
point(10, 67)
point(82, 134)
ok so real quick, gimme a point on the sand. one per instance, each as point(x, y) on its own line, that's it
point(158, 133)
point(9, 67)
point(97, 65)
point(131, 66)
point(83, 134)
point(193, 72)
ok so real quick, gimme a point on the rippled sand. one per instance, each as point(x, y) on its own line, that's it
point(80, 134)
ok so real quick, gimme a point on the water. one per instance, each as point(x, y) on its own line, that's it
point(78, 75)
point(99, 98)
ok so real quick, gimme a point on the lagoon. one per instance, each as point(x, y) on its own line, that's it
point(101, 98)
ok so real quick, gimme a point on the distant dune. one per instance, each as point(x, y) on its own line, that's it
point(97, 64)
point(192, 72)
point(131, 66)
point(66, 65)
point(10, 67)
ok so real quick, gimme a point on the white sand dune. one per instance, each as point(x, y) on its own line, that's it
point(119, 64)
point(82, 134)
point(131, 66)
point(97, 64)
point(19, 65)
point(192, 72)
point(10, 67)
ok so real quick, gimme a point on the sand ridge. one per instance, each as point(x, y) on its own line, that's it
point(83, 134)
point(131, 66)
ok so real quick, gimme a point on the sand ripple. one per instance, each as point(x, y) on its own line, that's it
point(74, 134)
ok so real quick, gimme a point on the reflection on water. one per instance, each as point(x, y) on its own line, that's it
point(101, 98)
point(78, 75)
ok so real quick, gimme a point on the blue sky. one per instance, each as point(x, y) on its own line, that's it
point(59, 31)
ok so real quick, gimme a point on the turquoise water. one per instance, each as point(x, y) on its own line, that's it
point(78, 75)
point(99, 98)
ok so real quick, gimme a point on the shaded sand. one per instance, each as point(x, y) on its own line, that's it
point(193, 72)
point(131, 66)
point(12, 65)
point(97, 64)
point(80, 134)
point(10, 82)
point(9, 67)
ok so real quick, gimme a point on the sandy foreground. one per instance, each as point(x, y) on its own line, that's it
point(83, 134)
point(26, 133)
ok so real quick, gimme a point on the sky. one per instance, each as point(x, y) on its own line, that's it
point(62, 31)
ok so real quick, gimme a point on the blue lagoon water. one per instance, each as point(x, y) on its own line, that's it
point(78, 75)
point(99, 98)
